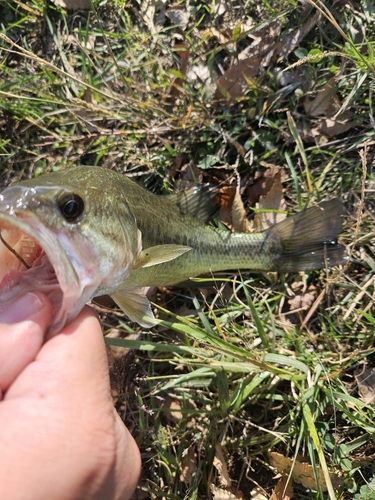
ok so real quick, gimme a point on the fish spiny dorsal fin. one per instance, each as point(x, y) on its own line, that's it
point(199, 201)
point(135, 305)
point(159, 254)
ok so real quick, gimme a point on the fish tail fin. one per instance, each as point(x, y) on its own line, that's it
point(308, 240)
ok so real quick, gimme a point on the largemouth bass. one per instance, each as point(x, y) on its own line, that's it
point(88, 231)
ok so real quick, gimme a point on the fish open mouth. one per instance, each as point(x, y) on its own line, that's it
point(32, 259)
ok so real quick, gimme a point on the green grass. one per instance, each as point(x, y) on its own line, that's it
point(245, 375)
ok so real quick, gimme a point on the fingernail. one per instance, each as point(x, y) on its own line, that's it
point(21, 309)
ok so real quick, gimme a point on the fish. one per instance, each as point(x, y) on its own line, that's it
point(82, 232)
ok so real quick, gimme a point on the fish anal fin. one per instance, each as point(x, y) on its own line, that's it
point(159, 254)
point(134, 303)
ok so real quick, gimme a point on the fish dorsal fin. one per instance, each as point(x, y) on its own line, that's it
point(159, 254)
point(199, 201)
point(135, 305)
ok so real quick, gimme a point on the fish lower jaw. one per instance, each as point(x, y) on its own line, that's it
point(42, 278)
point(33, 261)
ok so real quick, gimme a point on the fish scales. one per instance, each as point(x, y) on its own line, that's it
point(98, 232)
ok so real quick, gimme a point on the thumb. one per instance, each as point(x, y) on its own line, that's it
point(23, 324)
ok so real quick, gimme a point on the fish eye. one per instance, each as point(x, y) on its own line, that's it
point(71, 206)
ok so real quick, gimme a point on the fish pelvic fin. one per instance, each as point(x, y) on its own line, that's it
point(308, 239)
point(134, 303)
point(159, 254)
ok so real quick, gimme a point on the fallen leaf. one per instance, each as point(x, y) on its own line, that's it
point(185, 310)
point(220, 7)
point(366, 385)
point(90, 118)
point(219, 35)
point(331, 128)
point(302, 299)
point(257, 494)
point(262, 184)
point(190, 176)
point(200, 73)
point(233, 83)
point(74, 4)
point(142, 491)
point(221, 494)
point(291, 41)
point(239, 220)
point(188, 466)
point(148, 13)
point(178, 15)
point(224, 201)
point(302, 473)
point(323, 100)
point(221, 466)
point(327, 105)
point(309, 133)
point(263, 41)
point(115, 352)
point(272, 200)
point(182, 49)
point(283, 489)
point(171, 409)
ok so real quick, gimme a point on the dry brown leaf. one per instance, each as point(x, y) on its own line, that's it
point(264, 41)
point(183, 50)
point(90, 118)
point(190, 176)
point(221, 466)
point(142, 491)
point(201, 73)
point(239, 219)
point(153, 15)
point(257, 494)
point(323, 129)
point(366, 385)
point(178, 15)
point(172, 409)
point(234, 81)
point(262, 184)
point(309, 133)
point(188, 466)
point(283, 489)
point(224, 201)
point(331, 128)
point(185, 310)
point(302, 473)
point(115, 352)
point(221, 494)
point(74, 4)
point(303, 299)
point(327, 103)
point(213, 32)
point(220, 7)
point(290, 42)
point(119, 360)
point(273, 200)
point(323, 102)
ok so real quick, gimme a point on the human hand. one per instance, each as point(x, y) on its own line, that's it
point(60, 437)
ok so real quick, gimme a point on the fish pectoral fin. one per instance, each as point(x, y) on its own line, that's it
point(159, 254)
point(135, 305)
